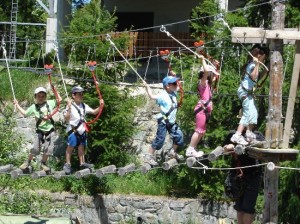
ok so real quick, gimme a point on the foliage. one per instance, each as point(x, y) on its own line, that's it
point(289, 187)
point(10, 142)
point(23, 202)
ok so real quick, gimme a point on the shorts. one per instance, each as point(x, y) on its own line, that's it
point(75, 139)
point(249, 109)
point(161, 133)
point(202, 118)
point(45, 141)
point(246, 203)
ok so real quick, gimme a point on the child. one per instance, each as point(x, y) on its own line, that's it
point(244, 183)
point(77, 136)
point(203, 108)
point(44, 128)
point(166, 120)
point(245, 94)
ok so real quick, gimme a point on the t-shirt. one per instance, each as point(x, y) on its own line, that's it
point(247, 82)
point(205, 95)
point(76, 117)
point(165, 103)
point(43, 111)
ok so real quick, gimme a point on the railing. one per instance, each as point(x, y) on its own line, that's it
point(141, 43)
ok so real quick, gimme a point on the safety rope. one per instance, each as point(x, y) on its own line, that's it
point(165, 57)
point(148, 62)
point(8, 70)
point(60, 70)
point(163, 29)
point(226, 24)
point(108, 38)
point(48, 70)
point(92, 67)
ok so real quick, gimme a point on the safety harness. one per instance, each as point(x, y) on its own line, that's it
point(42, 135)
point(82, 120)
point(165, 116)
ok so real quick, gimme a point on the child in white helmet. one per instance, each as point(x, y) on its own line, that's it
point(44, 127)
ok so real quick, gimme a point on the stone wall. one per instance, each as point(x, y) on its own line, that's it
point(113, 209)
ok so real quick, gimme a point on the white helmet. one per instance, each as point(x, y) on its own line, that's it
point(40, 89)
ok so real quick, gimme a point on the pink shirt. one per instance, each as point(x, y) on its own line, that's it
point(205, 95)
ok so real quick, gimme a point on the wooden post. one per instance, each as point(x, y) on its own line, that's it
point(292, 97)
point(274, 127)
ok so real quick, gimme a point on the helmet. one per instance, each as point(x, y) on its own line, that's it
point(77, 89)
point(40, 89)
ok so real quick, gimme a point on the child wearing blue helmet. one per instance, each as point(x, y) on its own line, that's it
point(166, 120)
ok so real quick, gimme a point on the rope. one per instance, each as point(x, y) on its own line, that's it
point(48, 70)
point(221, 65)
point(8, 71)
point(163, 29)
point(61, 73)
point(193, 72)
point(148, 62)
point(226, 24)
point(92, 67)
point(113, 44)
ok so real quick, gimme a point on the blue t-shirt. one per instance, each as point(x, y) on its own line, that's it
point(165, 103)
point(247, 82)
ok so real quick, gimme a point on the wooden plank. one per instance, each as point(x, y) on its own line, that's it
point(253, 32)
point(292, 97)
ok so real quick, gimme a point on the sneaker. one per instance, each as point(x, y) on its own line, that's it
point(44, 167)
point(172, 154)
point(250, 136)
point(148, 158)
point(238, 139)
point(67, 168)
point(24, 166)
point(191, 152)
point(86, 165)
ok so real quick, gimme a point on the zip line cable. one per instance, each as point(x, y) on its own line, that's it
point(153, 27)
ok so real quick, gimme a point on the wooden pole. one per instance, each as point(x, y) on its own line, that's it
point(292, 97)
point(274, 125)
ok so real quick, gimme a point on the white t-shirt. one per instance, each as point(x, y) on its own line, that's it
point(76, 117)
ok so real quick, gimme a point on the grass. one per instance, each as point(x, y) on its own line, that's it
point(23, 84)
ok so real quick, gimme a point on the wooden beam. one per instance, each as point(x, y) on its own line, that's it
point(259, 35)
point(292, 98)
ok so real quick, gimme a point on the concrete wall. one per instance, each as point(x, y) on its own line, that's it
point(166, 11)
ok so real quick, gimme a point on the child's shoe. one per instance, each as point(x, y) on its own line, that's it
point(238, 139)
point(148, 158)
point(24, 166)
point(191, 152)
point(172, 154)
point(44, 167)
point(67, 168)
point(86, 165)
